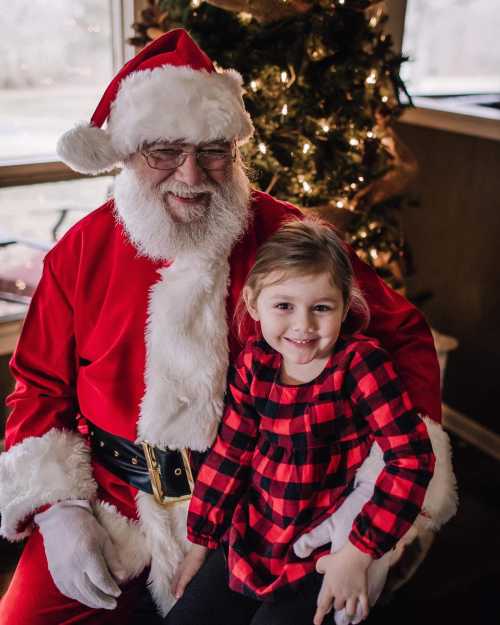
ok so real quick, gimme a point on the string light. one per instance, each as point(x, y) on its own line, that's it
point(354, 186)
point(354, 142)
point(372, 78)
point(385, 99)
point(306, 148)
point(196, 4)
point(373, 253)
point(373, 21)
point(363, 233)
point(370, 134)
point(284, 77)
point(284, 110)
point(245, 18)
point(262, 147)
point(253, 85)
point(325, 127)
point(306, 186)
point(361, 178)
point(339, 204)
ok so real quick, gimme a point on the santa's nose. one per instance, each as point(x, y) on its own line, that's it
point(190, 172)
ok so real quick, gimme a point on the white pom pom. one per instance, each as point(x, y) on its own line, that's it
point(87, 149)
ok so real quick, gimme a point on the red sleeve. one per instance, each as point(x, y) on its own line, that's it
point(399, 491)
point(404, 333)
point(46, 459)
point(225, 472)
point(44, 365)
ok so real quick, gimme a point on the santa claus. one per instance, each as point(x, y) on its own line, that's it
point(121, 365)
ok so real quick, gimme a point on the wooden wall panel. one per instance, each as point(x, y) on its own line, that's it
point(454, 234)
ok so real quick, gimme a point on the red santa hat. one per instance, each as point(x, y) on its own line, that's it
point(170, 90)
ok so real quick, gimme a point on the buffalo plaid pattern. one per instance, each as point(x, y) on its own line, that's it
point(286, 456)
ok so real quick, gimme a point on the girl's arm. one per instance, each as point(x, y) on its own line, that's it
point(379, 398)
point(224, 474)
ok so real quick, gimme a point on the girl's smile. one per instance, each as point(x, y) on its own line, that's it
point(300, 317)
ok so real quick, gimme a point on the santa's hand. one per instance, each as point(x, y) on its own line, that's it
point(80, 554)
point(317, 537)
point(187, 569)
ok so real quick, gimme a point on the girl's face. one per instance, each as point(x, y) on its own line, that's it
point(300, 317)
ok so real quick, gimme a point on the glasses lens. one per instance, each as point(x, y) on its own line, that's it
point(213, 160)
point(164, 159)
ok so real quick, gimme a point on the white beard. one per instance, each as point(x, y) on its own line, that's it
point(151, 229)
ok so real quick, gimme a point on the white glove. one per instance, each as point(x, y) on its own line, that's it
point(337, 527)
point(80, 554)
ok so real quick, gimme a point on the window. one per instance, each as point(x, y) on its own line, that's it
point(454, 47)
point(57, 59)
point(57, 56)
point(454, 53)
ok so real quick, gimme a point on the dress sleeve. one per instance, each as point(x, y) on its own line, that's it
point(224, 475)
point(404, 333)
point(45, 460)
point(399, 491)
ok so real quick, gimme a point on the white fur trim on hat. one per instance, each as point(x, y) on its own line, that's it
point(178, 103)
point(87, 149)
point(42, 470)
point(164, 103)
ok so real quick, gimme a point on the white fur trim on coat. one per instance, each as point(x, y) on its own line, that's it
point(127, 536)
point(42, 470)
point(441, 497)
point(157, 539)
point(165, 532)
point(186, 354)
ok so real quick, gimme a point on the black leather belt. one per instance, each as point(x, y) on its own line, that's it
point(166, 474)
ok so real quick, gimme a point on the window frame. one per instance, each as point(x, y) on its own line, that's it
point(450, 114)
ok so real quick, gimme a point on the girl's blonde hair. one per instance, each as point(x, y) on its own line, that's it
point(300, 248)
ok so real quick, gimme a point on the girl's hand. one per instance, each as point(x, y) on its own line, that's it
point(344, 584)
point(187, 569)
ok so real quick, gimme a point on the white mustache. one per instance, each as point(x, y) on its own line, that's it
point(185, 190)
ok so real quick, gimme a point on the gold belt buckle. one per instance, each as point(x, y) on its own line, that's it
point(159, 493)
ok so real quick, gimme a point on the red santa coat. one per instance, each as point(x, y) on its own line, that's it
point(140, 349)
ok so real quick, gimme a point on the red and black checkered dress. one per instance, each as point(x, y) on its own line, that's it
point(286, 456)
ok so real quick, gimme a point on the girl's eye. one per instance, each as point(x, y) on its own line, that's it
point(282, 306)
point(322, 308)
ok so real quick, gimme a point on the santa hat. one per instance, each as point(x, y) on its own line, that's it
point(169, 91)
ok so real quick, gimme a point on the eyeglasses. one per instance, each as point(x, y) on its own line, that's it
point(209, 158)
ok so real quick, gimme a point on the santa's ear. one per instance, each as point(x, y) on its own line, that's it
point(250, 301)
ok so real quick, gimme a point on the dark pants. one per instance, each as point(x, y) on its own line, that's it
point(208, 600)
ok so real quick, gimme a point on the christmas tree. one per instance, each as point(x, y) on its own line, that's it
point(322, 87)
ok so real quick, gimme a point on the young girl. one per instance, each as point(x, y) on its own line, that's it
point(305, 402)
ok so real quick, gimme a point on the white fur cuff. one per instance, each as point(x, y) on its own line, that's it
point(39, 471)
point(441, 498)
